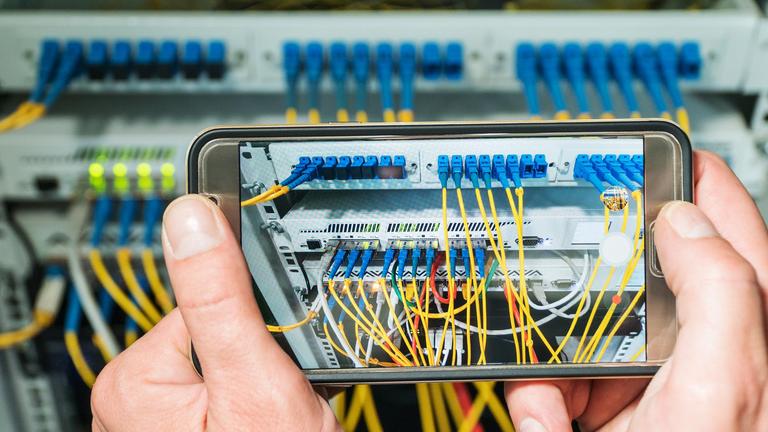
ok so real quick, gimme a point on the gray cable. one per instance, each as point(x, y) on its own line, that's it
point(88, 301)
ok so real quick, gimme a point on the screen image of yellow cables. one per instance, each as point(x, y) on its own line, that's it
point(471, 293)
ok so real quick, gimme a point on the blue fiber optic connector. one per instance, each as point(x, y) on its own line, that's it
point(597, 69)
point(573, 64)
point(527, 72)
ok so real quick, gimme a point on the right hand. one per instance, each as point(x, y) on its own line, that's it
point(715, 260)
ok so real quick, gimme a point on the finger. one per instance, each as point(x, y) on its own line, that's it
point(213, 290)
point(151, 385)
point(609, 397)
point(540, 406)
point(717, 299)
point(722, 197)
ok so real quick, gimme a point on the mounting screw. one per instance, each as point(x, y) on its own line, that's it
point(273, 225)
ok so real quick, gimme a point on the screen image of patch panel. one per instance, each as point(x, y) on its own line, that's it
point(464, 251)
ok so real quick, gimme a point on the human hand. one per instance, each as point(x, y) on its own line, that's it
point(250, 382)
point(715, 260)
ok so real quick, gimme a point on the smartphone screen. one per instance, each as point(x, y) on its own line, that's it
point(428, 252)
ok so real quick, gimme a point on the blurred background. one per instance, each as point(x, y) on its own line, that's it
point(101, 98)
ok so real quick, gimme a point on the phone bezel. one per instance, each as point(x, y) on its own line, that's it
point(668, 168)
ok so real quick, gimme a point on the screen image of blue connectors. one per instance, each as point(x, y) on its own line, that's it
point(490, 171)
point(604, 171)
point(346, 168)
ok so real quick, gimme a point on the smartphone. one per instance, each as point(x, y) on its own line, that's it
point(454, 251)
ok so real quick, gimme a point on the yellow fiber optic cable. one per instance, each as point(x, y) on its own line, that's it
point(314, 116)
point(578, 310)
point(499, 411)
point(470, 272)
point(635, 114)
point(130, 337)
point(414, 330)
point(98, 342)
point(584, 116)
point(637, 194)
point(78, 359)
point(362, 403)
point(284, 328)
point(528, 342)
point(603, 289)
point(637, 354)
point(372, 421)
point(621, 320)
point(39, 323)
point(592, 345)
point(340, 401)
point(117, 293)
point(499, 252)
point(361, 117)
point(473, 416)
point(8, 121)
point(683, 120)
point(592, 314)
point(342, 116)
point(441, 415)
point(425, 320)
point(376, 320)
point(363, 326)
point(607, 116)
point(451, 285)
point(425, 408)
point(129, 278)
point(368, 327)
point(562, 115)
point(155, 282)
point(337, 349)
point(291, 115)
point(452, 400)
point(349, 423)
point(271, 193)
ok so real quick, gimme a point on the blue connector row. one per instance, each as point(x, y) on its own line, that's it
point(434, 62)
point(599, 63)
point(486, 169)
point(148, 59)
point(348, 168)
point(612, 170)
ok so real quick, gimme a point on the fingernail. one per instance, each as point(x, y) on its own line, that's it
point(530, 424)
point(190, 227)
point(687, 220)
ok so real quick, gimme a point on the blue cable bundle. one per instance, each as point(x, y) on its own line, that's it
point(621, 68)
point(339, 65)
point(361, 65)
point(647, 68)
point(549, 66)
point(573, 62)
point(527, 73)
point(597, 69)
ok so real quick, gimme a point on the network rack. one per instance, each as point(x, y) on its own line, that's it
point(388, 217)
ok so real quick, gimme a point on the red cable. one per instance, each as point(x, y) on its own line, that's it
point(433, 285)
point(462, 393)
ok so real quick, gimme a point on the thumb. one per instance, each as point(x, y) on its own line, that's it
point(213, 290)
point(717, 295)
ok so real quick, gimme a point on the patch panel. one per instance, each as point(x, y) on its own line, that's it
point(148, 59)
point(420, 166)
point(643, 61)
point(486, 40)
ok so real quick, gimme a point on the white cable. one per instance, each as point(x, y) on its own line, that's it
point(324, 261)
point(574, 291)
point(368, 350)
point(88, 302)
point(548, 318)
